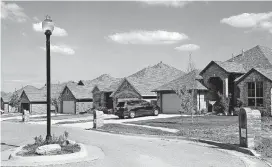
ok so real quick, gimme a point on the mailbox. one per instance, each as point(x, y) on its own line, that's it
point(98, 119)
point(249, 127)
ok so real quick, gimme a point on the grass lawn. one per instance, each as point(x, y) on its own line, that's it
point(127, 129)
point(219, 128)
point(224, 129)
point(74, 122)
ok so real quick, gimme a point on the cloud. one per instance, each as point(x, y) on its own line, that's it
point(13, 12)
point(261, 21)
point(15, 80)
point(56, 32)
point(170, 3)
point(63, 49)
point(188, 47)
point(148, 37)
point(24, 34)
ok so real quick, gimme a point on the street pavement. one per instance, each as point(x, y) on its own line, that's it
point(132, 151)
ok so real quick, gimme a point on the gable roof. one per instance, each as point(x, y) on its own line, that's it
point(120, 86)
point(80, 92)
point(267, 73)
point(189, 80)
point(6, 98)
point(256, 57)
point(34, 96)
point(152, 77)
point(229, 67)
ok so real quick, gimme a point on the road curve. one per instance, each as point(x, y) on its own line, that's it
point(133, 151)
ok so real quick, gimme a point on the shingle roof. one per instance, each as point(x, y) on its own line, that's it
point(80, 92)
point(6, 98)
point(265, 72)
point(189, 80)
point(152, 77)
point(256, 57)
point(35, 96)
point(231, 67)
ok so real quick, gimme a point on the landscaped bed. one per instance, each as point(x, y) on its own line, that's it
point(74, 122)
point(66, 146)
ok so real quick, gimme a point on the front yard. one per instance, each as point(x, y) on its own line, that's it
point(223, 129)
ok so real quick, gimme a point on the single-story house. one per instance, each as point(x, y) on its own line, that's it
point(221, 76)
point(5, 103)
point(102, 92)
point(256, 89)
point(168, 100)
point(140, 84)
point(34, 102)
point(76, 99)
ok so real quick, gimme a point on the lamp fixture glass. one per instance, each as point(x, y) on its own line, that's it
point(48, 24)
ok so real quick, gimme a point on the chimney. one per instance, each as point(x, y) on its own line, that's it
point(243, 51)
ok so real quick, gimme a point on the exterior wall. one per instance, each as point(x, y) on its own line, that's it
point(215, 71)
point(38, 108)
point(66, 96)
point(83, 106)
point(267, 85)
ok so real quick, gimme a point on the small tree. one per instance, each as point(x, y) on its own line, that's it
point(187, 101)
point(14, 101)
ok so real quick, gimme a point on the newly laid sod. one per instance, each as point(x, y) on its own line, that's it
point(219, 128)
point(127, 129)
point(74, 122)
point(224, 129)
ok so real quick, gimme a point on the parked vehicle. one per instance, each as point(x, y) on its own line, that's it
point(135, 108)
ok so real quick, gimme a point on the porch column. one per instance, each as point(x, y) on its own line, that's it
point(227, 86)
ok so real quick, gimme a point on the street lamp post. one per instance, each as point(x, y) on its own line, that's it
point(48, 27)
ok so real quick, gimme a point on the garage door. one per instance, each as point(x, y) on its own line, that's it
point(69, 107)
point(170, 104)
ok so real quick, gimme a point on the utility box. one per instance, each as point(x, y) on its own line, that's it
point(249, 127)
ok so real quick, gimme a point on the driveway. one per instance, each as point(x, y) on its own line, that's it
point(132, 151)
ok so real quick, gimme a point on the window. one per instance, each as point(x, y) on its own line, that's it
point(255, 94)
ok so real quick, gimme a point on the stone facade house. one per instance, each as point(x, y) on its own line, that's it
point(170, 103)
point(5, 103)
point(255, 89)
point(221, 76)
point(76, 99)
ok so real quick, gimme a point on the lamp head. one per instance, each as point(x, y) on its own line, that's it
point(48, 25)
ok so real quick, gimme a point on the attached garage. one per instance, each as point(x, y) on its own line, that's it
point(168, 100)
point(69, 107)
point(170, 103)
point(76, 99)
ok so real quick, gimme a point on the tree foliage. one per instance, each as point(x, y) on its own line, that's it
point(15, 100)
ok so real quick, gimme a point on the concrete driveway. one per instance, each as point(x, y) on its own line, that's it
point(133, 151)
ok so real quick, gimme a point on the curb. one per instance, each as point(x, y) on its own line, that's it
point(15, 160)
point(210, 142)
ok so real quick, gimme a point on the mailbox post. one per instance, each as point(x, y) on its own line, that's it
point(249, 127)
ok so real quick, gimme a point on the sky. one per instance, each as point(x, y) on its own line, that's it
point(121, 38)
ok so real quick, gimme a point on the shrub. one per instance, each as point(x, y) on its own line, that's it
point(223, 103)
point(104, 109)
point(239, 103)
point(204, 111)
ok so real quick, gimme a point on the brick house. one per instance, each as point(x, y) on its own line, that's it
point(76, 99)
point(255, 89)
point(168, 100)
point(224, 76)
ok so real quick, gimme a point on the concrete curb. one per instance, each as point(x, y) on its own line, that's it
point(210, 142)
point(80, 156)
